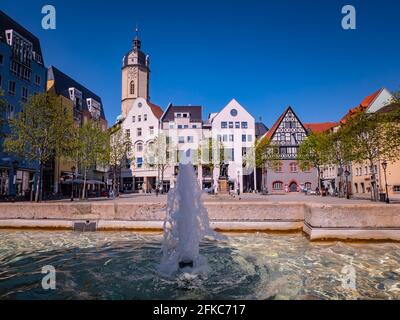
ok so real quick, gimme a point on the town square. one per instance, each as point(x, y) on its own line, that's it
point(155, 152)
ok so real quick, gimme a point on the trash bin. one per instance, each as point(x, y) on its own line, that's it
point(382, 197)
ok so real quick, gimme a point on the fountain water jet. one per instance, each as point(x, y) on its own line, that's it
point(186, 224)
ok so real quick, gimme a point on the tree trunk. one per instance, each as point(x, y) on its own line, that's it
point(84, 185)
point(374, 185)
point(319, 178)
point(37, 189)
point(162, 179)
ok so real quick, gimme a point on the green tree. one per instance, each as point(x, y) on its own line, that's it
point(161, 154)
point(91, 149)
point(367, 137)
point(119, 154)
point(314, 152)
point(42, 128)
point(211, 155)
point(266, 156)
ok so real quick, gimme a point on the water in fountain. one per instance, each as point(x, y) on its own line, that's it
point(186, 224)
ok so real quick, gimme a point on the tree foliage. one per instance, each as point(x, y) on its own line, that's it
point(43, 128)
point(91, 148)
point(314, 152)
point(266, 156)
point(119, 152)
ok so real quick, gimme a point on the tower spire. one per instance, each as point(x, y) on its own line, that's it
point(136, 41)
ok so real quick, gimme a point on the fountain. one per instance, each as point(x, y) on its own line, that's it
point(186, 224)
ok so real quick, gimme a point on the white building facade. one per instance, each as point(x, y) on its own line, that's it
point(185, 131)
point(234, 127)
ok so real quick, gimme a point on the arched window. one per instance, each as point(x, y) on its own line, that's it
point(132, 87)
point(139, 147)
point(277, 186)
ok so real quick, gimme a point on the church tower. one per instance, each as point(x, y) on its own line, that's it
point(135, 76)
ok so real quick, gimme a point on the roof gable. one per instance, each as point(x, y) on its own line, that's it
point(279, 123)
point(232, 104)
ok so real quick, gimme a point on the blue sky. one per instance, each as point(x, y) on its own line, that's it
point(266, 54)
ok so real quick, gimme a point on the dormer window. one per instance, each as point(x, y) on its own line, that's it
point(76, 97)
point(94, 108)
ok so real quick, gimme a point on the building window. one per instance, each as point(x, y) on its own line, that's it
point(139, 147)
point(356, 187)
point(15, 68)
point(24, 94)
point(307, 169)
point(151, 130)
point(244, 125)
point(180, 126)
point(293, 167)
point(139, 132)
point(128, 133)
point(181, 139)
point(139, 118)
point(396, 188)
point(171, 125)
point(184, 115)
point(234, 112)
point(10, 112)
point(11, 87)
point(190, 139)
point(145, 117)
point(243, 138)
point(194, 126)
point(307, 185)
point(133, 118)
point(38, 80)
point(132, 87)
point(231, 138)
point(229, 154)
point(277, 186)
point(185, 126)
point(224, 125)
point(237, 125)
point(139, 162)
point(225, 138)
point(249, 138)
point(230, 125)
point(219, 138)
point(279, 167)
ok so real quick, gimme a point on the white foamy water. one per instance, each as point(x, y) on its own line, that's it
point(185, 225)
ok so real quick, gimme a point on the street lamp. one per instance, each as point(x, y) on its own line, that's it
point(346, 174)
point(72, 184)
point(384, 166)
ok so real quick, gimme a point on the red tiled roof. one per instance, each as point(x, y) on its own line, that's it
point(363, 106)
point(157, 111)
point(320, 127)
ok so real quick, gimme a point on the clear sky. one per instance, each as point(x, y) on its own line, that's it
point(266, 54)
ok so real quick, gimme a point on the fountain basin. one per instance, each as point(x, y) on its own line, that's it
point(123, 265)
